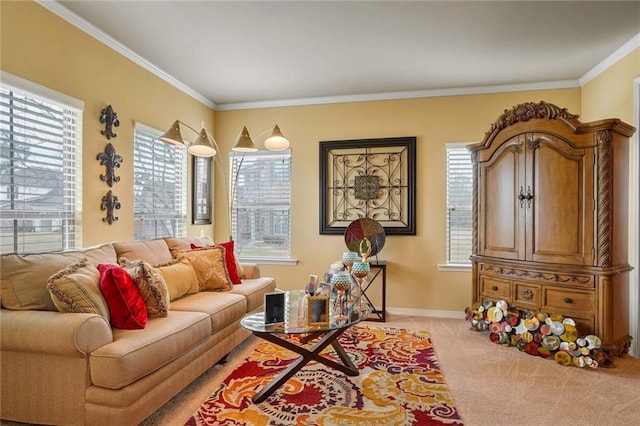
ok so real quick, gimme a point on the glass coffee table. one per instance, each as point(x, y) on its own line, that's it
point(295, 324)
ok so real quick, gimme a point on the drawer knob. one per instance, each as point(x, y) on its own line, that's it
point(494, 288)
point(568, 300)
point(527, 294)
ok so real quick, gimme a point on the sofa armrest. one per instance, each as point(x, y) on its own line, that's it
point(250, 270)
point(67, 334)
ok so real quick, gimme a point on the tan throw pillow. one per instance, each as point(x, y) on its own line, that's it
point(76, 288)
point(210, 267)
point(180, 277)
point(152, 286)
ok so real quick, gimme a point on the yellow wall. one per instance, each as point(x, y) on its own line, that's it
point(414, 281)
point(40, 47)
point(610, 94)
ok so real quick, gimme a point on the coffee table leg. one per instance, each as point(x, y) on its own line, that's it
point(344, 357)
point(305, 356)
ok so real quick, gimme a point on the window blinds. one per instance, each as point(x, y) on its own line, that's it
point(40, 173)
point(260, 191)
point(459, 202)
point(160, 179)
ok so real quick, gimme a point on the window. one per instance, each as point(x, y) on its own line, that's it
point(40, 168)
point(160, 179)
point(261, 204)
point(459, 202)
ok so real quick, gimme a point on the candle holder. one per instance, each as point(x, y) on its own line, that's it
point(348, 258)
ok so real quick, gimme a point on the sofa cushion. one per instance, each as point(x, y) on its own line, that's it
point(152, 251)
point(254, 290)
point(177, 245)
point(151, 285)
point(104, 253)
point(76, 288)
point(210, 267)
point(180, 277)
point(223, 308)
point(24, 278)
point(134, 354)
point(126, 305)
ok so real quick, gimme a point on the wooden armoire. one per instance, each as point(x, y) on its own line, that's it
point(550, 218)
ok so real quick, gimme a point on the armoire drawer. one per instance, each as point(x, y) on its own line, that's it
point(585, 326)
point(495, 288)
point(526, 294)
point(573, 300)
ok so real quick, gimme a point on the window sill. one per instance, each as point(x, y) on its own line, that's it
point(454, 267)
point(268, 261)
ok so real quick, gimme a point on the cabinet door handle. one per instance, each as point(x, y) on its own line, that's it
point(568, 300)
point(529, 197)
point(521, 197)
point(494, 288)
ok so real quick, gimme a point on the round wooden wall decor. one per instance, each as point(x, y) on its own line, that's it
point(363, 228)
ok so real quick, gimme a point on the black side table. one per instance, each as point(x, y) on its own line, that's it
point(378, 269)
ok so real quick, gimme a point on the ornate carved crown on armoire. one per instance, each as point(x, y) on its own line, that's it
point(550, 218)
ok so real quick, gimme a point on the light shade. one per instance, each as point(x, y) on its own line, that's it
point(204, 146)
point(244, 142)
point(276, 142)
point(173, 135)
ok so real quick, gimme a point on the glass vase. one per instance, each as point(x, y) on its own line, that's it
point(341, 282)
point(360, 271)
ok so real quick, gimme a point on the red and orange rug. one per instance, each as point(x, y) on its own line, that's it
point(400, 383)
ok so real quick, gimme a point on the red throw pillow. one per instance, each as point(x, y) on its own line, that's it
point(126, 305)
point(229, 257)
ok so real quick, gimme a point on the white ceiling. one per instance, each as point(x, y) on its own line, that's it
point(239, 54)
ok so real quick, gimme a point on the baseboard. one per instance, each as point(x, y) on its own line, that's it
point(426, 313)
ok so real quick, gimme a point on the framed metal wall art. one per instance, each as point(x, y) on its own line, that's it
point(372, 178)
point(201, 197)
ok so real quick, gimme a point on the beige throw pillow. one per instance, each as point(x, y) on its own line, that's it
point(152, 286)
point(76, 288)
point(210, 267)
point(180, 277)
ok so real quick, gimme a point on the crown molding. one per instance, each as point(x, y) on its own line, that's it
point(69, 16)
point(101, 36)
point(389, 96)
point(610, 60)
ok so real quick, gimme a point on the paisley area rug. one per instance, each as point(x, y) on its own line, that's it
point(400, 383)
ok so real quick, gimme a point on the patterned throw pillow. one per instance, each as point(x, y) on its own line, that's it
point(76, 288)
point(180, 277)
point(210, 267)
point(126, 305)
point(233, 267)
point(151, 285)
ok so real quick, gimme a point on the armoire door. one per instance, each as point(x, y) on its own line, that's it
point(559, 218)
point(501, 179)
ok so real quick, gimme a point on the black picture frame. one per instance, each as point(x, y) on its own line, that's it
point(374, 178)
point(274, 307)
point(201, 190)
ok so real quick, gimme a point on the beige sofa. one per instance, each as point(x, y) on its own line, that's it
point(74, 368)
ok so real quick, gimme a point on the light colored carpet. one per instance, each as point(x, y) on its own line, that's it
point(490, 384)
